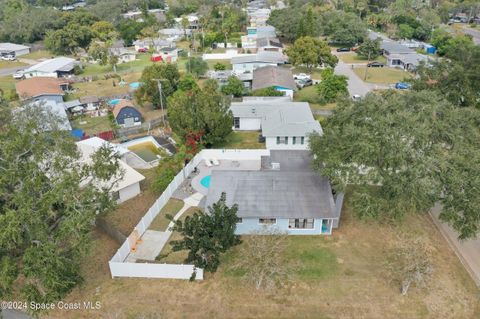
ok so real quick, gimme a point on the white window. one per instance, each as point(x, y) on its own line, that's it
point(267, 221)
point(282, 139)
point(236, 122)
point(301, 223)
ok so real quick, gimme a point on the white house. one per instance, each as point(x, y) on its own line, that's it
point(53, 68)
point(12, 49)
point(124, 188)
point(248, 63)
point(124, 55)
point(284, 124)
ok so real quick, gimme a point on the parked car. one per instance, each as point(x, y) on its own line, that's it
point(402, 86)
point(8, 57)
point(375, 64)
point(304, 83)
point(142, 50)
point(301, 76)
point(355, 49)
point(343, 50)
point(356, 97)
point(18, 75)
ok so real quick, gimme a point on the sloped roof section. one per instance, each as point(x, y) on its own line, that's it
point(34, 87)
point(273, 76)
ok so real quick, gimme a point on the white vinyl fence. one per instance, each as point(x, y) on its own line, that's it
point(120, 268)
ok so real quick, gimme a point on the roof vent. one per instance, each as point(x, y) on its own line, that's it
point(276, 166)
point(254, 110)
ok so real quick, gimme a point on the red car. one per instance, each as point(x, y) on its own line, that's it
point(157, 58)
point(143, 50)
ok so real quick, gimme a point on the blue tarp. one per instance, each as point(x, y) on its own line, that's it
point(77, 133)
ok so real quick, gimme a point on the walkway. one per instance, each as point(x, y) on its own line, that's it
point(468, 251)
point(153, 241)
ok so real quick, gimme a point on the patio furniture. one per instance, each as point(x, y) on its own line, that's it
point(208, 163)
point(215, 161)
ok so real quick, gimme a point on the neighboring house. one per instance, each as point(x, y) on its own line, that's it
point(55, 108)
point(269, 44)
point(249, 41)
point(126, 114)
point(249, 63)
point(42, 89)
point(284, 124)
point(86, 104)
point(168, 54)
point(123, 188)
point(149, 43)
point(258, 17)
point(174, 34)
point(284, 194)
point(193, 22)
point(280, 78)
point(124, 55)
point(159, 14)
point(12, 49)
point(401, 56)
point(54, 68)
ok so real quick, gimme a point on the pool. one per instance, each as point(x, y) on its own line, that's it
point(135, 85)
point(147, 151)
point(114, 102)
point(206, 181)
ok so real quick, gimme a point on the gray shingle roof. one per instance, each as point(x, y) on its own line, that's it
point(291, 193)
point(264, 56)
point(53, 65)
point(7, 46)
point(273, 76)
point(279, 118)
point(395, 48)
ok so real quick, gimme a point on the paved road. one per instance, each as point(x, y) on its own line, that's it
point(10, 71)
point(355, 84)
point(474, 33)
point(468, 251)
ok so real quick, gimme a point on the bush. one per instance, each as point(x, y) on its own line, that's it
point(219, 67)
point(270, 91)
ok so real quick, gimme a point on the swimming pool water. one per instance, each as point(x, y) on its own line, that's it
point(146, 151)
point(134, 85)
point(114, 102)
point(206, 181)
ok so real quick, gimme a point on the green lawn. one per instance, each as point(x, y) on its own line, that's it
point(10, 64)
point(161, 222)
point(242, 140)
point(93, 124)
point(7, 83)
point(143, 60)
point(382, 75)
point(352, 57)
point(40, 54)
point(104, 87)
point(310, 95)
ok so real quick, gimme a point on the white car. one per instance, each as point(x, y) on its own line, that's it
point(18, 75)
point(301, 76)
point(8, 58)
point(356, 97)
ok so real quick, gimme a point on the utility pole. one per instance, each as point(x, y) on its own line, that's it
point(160, 91)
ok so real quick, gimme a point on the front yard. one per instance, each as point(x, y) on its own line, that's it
point(338, 276)
point(11, 64)
point(242, 140)
point(352, 57)
point(383, 75)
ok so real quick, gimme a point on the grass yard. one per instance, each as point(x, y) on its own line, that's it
point(177, 257)
point(211, 63)
point(104, 87)
point(143, 60)
point(242, 140)
point(128, 214)
point(352, 57)
point(339, 276)
point(161, 222)
point(11, 64)
point(315, 74)
point(40, 54)
point(310, 95)
point(383, 75)
point(92, 125)
point(7, 83)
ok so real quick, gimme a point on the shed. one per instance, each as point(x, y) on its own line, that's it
point(126, 114)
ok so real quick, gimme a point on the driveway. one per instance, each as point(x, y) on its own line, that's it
point(355, 84)
point(474, 33)
point(468, 251)
point(10, 71)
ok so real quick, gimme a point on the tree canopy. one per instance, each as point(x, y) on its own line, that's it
point(201, 110)
point(233, 87)
point(311, 52)
point(149, 92)
point(405, 151)
point(332, 86)
point(49, 200)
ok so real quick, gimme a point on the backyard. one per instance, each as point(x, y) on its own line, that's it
point(143, 60)
point(383, 75)
point(92, 125)
point(338, 276)
point(40, 54)
point(242, 140)
point(104, 87)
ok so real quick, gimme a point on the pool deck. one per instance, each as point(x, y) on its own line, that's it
point(225, 165)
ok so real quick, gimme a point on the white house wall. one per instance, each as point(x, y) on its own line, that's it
point(250, 124)
point(128, 192)
point(249, 67)
point(271, 144)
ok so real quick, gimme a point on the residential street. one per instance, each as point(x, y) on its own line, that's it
point(468, 251)
point(474, 33)
point(10, 71)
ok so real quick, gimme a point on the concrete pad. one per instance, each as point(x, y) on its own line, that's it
point(194, 200)
point(152, 244)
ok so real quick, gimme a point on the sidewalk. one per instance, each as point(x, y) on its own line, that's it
point(468, 251)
